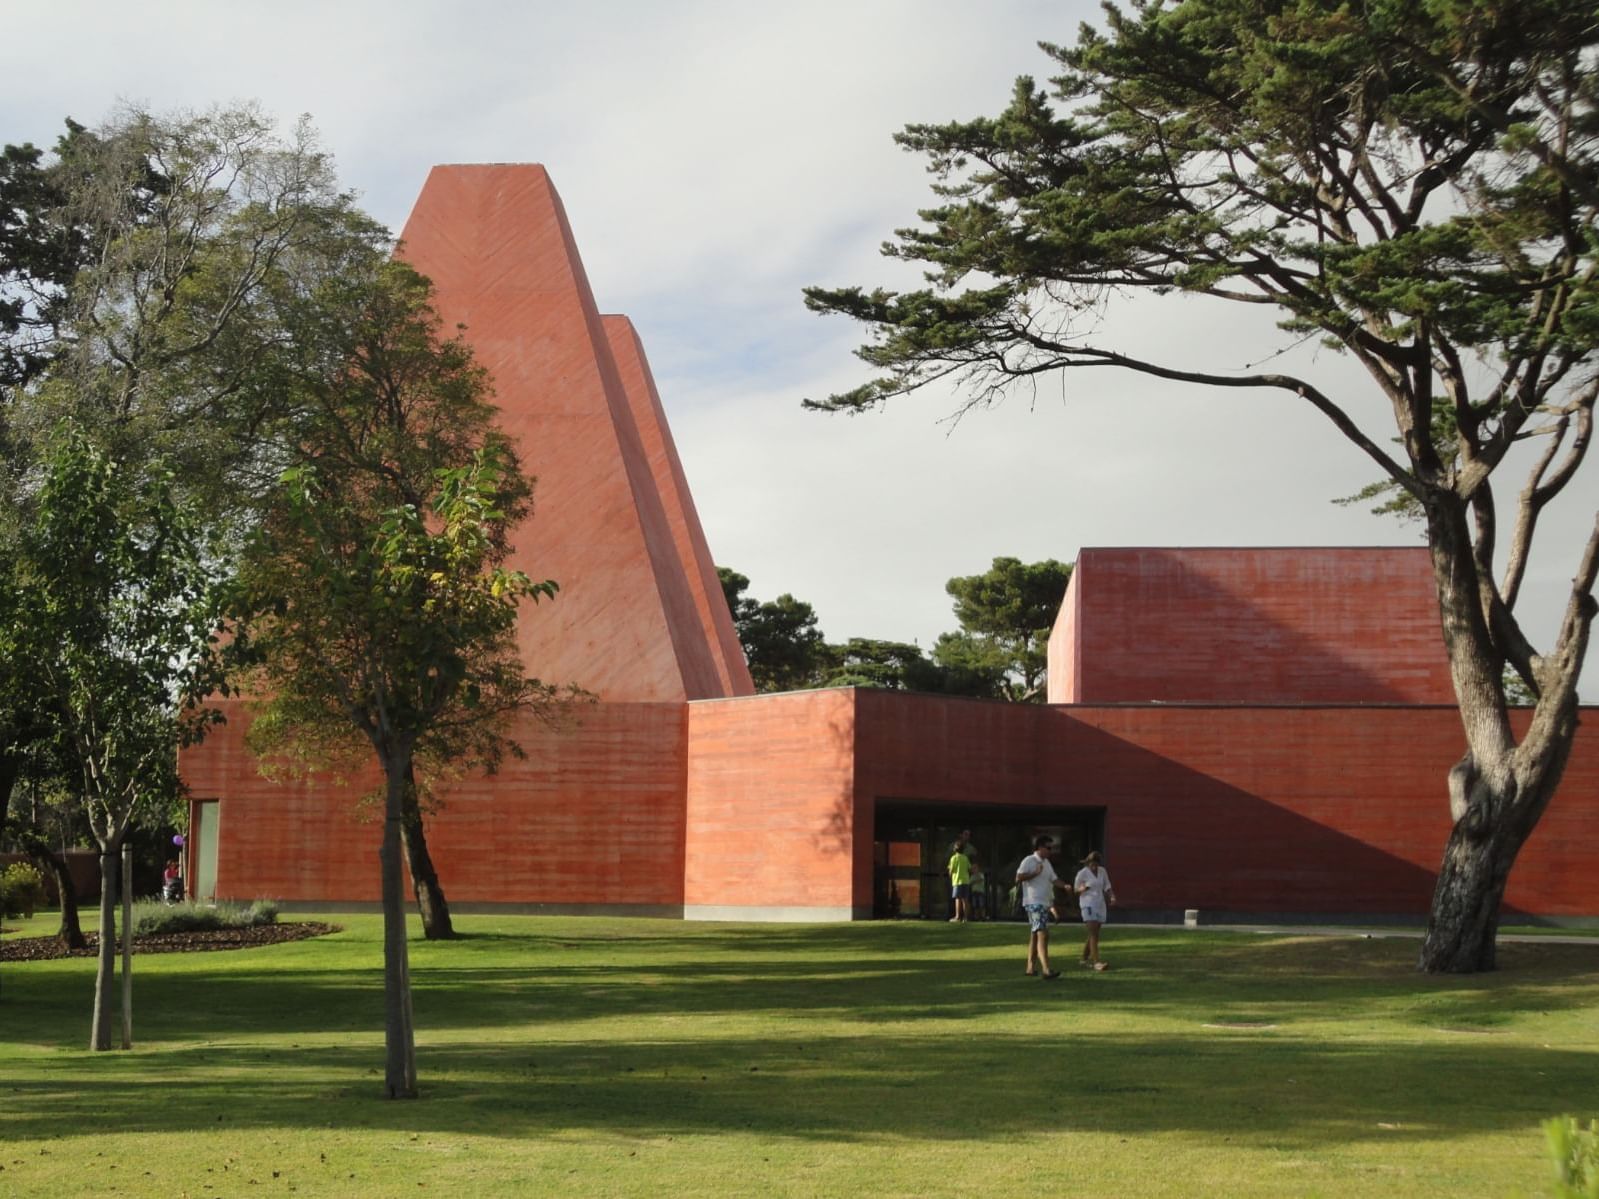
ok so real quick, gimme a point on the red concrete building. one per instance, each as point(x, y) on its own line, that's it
point(1250, 732)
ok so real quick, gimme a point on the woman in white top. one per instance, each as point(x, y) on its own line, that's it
point(1094, 895)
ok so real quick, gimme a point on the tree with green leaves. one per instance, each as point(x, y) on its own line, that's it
point(1005, 614)
point(387, 405)
point(123, 599)
point(784, 648)
point(887, 665)
point(140, 350)
point(1414, 182)
point(374, 609)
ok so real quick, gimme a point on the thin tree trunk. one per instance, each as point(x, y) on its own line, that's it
point(398, 1029)
point(430, 901)
point(105, 975)
point(127, 946)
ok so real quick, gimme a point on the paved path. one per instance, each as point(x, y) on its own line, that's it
point(1333, 930)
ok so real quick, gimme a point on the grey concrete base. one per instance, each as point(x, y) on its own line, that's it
point(770, 915)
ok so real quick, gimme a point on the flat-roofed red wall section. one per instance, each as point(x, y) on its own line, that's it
point(1250, 626)
point(771, 805)
point(1334, 810)
point(594, 815)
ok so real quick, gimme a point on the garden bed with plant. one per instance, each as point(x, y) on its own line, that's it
point(181, 928)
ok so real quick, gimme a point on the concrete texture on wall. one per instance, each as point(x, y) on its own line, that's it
point(1288, 809)
point(1250, 626)
point(771, 807)
point(635, 619)
point(592, 816)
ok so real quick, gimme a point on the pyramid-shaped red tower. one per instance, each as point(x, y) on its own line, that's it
point(640, 615)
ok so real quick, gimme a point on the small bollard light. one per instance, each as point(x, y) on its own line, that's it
point(1191, 918)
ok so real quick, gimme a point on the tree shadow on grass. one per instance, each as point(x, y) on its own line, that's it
point(1287, 981)
point(838, 1036)
point(1254, 1090)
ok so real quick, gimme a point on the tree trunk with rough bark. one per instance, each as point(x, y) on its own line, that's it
point(398, 1027)
point(430, 901)
point(1499, 789)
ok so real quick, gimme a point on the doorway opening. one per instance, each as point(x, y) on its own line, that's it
point(201, 880)
point(913, 841)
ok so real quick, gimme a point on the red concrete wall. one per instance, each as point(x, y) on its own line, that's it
point(1333, 810)
point(770, 824)
point(1250, 626)
point(594, 815)
point(764, 806)
point(496, 242)
point(710, 602)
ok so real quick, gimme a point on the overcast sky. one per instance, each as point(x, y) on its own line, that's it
point(714, 158)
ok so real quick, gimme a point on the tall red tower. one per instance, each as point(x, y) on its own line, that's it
point(640, 615)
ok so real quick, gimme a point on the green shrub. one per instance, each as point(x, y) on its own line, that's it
point(1574, 1149)
point(151, 917)
point(21, 890)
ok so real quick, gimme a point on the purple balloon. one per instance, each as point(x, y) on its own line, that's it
point(177, 839)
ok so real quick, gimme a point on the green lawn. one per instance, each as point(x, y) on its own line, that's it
point(614, 1057)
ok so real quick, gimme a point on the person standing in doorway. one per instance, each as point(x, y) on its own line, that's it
point(1037, 880)
point(1095, 896)
point(960, 884)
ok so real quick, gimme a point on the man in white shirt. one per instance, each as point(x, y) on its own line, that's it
point(1037, 880)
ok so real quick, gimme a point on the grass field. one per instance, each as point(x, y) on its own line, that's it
point(610, 1057)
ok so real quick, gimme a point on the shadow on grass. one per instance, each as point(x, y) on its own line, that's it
point(554, 981)
point(847, 1034)
point(1273, 1091)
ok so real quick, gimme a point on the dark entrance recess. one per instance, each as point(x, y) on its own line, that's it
point(913, 841)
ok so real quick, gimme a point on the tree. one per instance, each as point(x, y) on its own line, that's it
point(384, 404)
point(40, 811)
point(122, 592)
point(399, 623)
point(146, 270)
point(1005, 615)
point(40, 254)
point(1415, 182)
point(890, 665)
point(784, 648)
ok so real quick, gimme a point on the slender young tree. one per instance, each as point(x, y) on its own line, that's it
point(383, 404)
point(123, 602)
point(401, 622)
point(1416, 183)
point(143, 357)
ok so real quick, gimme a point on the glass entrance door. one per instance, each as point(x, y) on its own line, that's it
point(914, 842)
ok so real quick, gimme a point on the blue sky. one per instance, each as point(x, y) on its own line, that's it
point(715, 158)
